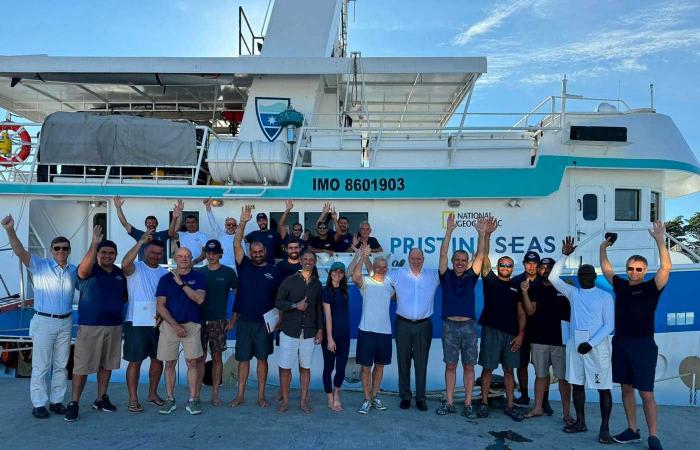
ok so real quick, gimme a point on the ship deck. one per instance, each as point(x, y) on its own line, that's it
point(249, 426)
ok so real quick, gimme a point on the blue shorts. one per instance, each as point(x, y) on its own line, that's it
point(373, 348)
point(634, 362)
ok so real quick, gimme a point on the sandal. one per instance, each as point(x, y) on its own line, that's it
point(532, 416)
point(575, 428)
point(135, 407)
point(569, 421)
point(156, 401)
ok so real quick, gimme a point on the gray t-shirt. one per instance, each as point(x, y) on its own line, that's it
point(376, 301)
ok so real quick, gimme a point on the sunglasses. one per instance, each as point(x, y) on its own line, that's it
point(635, 269)
point(510, 266)
point(58, 248)
point(322, 228)
point(230, 224)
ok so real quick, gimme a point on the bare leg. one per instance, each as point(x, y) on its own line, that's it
point(78, 386)
point(509, 382)
point(565, 394)
point(486, 385)
point(450, 381)
point(217, 368)
point(377, 375)
point(579, 404)
point(468, 379)
point(261, 370)
point(285, 383)
point(133, 370)
point(154, 372)
point(305, 380)
point(103, 376)
point(366, 385)
point(649, 404)
point(243, 371)
point(630, 404)
point(337, 404)
point(522, 381)
point(605, 396)
point(201, 364)
point(169, 373)
point(193, 378)
point(540, 386)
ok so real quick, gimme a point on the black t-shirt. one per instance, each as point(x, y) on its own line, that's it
point(635, 307)
point(344, 243)
point(286, 269)
point(270, 239)
point(500, 304)
point(322, 244)
point(373, 243)
point(544, 327)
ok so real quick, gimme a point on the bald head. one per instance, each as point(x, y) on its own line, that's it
point(183, 258)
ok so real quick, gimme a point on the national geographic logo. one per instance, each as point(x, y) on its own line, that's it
point(465, 219)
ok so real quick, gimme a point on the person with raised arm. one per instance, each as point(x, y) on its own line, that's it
point(459, 313)
point(364, 237)
point(258, 284)
point(179, 295)
point(374, 346)
point(269, 238)
point(502, 330)
point(150, 224)
point(296, 233)
point(634, 351)
point(54, 281)
point(141, 338)
point(225, 236)
point(192, 238)
point(588, 351)
point(103, 293)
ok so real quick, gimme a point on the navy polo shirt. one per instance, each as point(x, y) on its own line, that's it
point(177, 302)
point(102, 297)
point(257, 290)
point(161, 236)
point(270, 239)
point(458, 293)
point(344, 243)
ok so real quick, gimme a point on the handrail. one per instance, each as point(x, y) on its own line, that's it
point(242, 17)
point(683, 247)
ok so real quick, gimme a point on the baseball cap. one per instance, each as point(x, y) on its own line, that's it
point(546, 261)
point(337, 265)
point(531, 257)
point(213, 246)
point(261, 216)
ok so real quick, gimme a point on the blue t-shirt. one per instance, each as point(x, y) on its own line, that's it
point(161, 236)
point(177, 302)
point(340, 312)
point(344, 243)
point(102, 297)
point(458, 293)
point(257, 290)
point(270, 239)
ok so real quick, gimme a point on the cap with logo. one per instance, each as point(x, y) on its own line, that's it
point(337, 265)
point(261, 216)
point(546, 261)
point(531, 257)
point(213, 246)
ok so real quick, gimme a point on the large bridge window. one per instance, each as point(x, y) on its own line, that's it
point(627, 205)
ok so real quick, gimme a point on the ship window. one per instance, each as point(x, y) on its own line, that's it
point(655, 206)
point(590, 207)
point(627, 205)
point(275, 217)
point(101, 220)
point(598, 134)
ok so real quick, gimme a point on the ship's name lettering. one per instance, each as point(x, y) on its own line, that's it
point(359, 184)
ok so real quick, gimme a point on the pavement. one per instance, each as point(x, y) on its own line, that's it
point(250, 426)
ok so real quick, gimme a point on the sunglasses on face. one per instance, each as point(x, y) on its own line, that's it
point(509, 266)
point(297, 229)
point(635, 269)
point(230, 224)
point(58, 248)
point(322, 228)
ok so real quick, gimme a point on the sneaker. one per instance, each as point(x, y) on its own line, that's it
point(445, 409)
point(628, 436)
point(104, 404)
point(57, 408)
point(40, 412)
point(654, 443)
point(193, 407)
point(469, 412)
point(513, 414)
point(378, 405)
point(168, 407)
point(72, 412)
point(522, 401)
point(364, 409)
point(482, 410)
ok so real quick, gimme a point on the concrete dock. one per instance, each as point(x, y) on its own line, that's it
point(250, 426)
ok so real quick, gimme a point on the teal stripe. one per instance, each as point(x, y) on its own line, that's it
point(537, 181)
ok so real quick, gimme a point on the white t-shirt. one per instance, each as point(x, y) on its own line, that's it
point(193, 241)
point(141, 285)
point(376, 301)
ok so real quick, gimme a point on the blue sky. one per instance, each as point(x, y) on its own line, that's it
point(606, 49)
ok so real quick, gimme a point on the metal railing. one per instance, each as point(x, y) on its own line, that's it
point(254, 40)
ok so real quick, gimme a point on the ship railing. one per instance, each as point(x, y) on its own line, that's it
point(557, 108)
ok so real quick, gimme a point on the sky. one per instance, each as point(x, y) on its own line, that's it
point(606, 49)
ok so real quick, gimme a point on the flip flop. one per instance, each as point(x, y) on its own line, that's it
point(532, 416)
point(135, 407)
point(575, 428)
point(156, 401)
point(569, 421)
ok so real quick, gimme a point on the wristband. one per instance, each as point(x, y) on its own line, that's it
point(183, 285)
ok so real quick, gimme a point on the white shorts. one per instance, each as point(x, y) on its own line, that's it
point(296, 349)
point(592, 370)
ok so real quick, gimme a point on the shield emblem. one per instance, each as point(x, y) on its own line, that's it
point(266, 109)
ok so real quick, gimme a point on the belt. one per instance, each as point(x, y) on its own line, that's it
point(54, 316)
point(411, 320)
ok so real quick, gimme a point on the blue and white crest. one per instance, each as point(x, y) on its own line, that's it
point(266, 109)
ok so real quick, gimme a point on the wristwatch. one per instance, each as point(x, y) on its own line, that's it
point(294, 306)
point(182, 286)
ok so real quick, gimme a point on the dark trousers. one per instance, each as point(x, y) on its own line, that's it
point(337, 360)
point(413, 343)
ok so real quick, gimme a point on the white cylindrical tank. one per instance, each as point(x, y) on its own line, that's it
point(246, 162)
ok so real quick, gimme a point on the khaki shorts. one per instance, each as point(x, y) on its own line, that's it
point(169, 342)
point(97, 347)
point(544, 356)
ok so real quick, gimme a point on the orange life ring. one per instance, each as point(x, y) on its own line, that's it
point(24, 151)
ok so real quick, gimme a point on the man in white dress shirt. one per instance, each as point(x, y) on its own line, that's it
point(415, 294)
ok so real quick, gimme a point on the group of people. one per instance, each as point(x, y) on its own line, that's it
point(534, 317)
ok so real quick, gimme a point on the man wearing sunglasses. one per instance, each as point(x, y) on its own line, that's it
point(634, 351)
point(502, 330)
point(225, 236)
point(323, 242)
point(54, 282)
point(297, 229)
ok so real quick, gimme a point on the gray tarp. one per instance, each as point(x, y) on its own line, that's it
point(91, 139)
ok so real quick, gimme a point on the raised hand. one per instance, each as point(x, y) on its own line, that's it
point(8, 222)
point(326, 207)
point(176, 277)
point(366, 250)
point(303, 304)
point(658, 231)
point(567, 245)
point(118, 201)
point(451, 225)
point(355, 241)
point(178, 208)
point(491, 224)
point(207, 203)
point(246, 215)
point(288, 205)
point(334, 214)
point(146, 237)
point(97, 235)
point(606, 243)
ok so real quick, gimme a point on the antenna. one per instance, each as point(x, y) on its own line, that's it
point(651, 95)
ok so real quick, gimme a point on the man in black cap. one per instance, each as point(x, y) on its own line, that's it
point(271, 240)
point(220, 280)
point(530, 262)
point(546, 308)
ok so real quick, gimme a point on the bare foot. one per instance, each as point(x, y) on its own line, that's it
point(304, 406)
point(280, 397)
point(338, 406)
point(262, 402)
point(215, 401)
point(283, 407)
point(238, 401)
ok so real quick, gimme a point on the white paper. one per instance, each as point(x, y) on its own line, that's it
point(144, 313)
point(272, 318)
point(581, 336)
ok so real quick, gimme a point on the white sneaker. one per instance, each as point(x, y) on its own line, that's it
point(364, 409)
point(377, 404)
